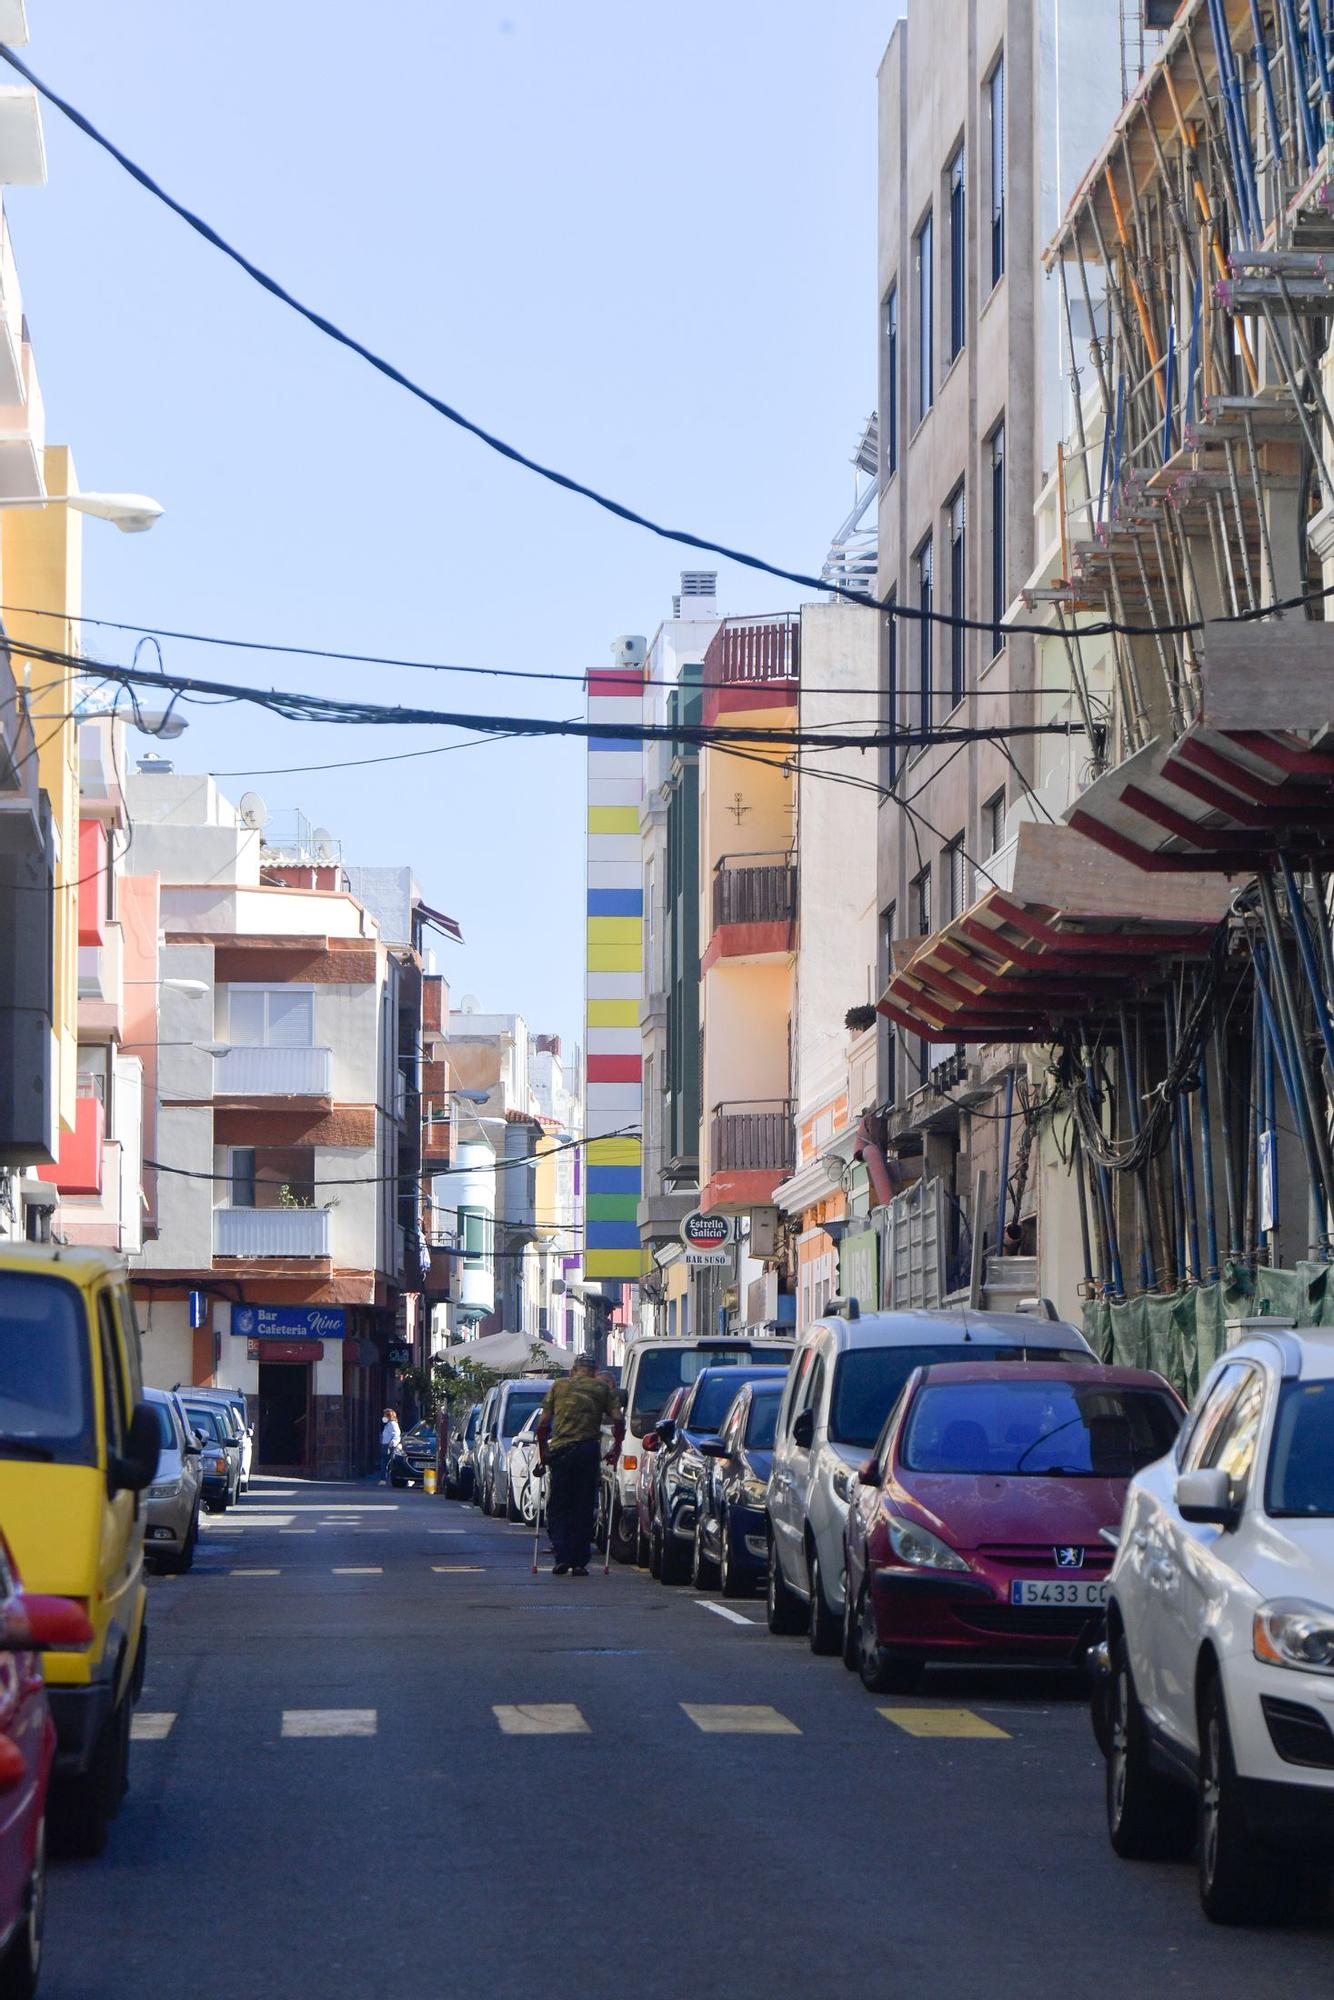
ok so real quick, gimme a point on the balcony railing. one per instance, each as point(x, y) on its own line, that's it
point(752, 1138)
point(754, 889)
point(273, 1072)
point(753, 649)
point(271, 1232)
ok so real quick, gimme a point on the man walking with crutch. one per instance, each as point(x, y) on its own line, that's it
point(569, 1442)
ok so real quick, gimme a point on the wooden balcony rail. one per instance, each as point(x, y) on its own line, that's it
point(752, 1138)
point(754, 889)
point(754, 649)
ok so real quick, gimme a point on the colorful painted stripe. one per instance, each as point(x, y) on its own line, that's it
point(615, 1069)
point(613, 1014)
point(616, 1181)
point(616, 903)
point(613, 819)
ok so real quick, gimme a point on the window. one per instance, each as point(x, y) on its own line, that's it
point(892, 381)
point(475, 1230)
point(797, 1384)
point(241, 1167)
point(924, 267)
point(270, 1017)
point(889, 930)
point(1199, 1439)
point(958, 264)
point(958, 597)
point(998, 596)
point(925, 600)
point(113, 1382)
point(1030, 1430)
point(1301, 1458)
point(921, 902)
point(996, 119)
point(956, 879)
point(993, 825)
point(1232, 1446)
point(891, 687)
point(46, 1392)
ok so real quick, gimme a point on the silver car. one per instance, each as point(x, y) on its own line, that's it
point(522, 1461)
point(171, 1502)
point(459, 1458)
point(215, 1427)
point(234, 1400)
point(507, 1408)
point(846, 1376)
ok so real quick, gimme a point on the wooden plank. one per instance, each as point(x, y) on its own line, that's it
point(1057, 866)
point(1275, 675)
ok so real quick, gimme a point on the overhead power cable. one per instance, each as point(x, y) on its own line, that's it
point(803, 578)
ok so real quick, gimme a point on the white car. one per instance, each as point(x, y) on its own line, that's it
point(1219, 1724)
point(523, 1456)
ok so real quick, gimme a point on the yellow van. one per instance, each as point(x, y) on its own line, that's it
point(77, 1446)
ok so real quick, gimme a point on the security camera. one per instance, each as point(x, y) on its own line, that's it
point(629, 650)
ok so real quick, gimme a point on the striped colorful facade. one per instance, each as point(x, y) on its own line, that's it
point(614, 961)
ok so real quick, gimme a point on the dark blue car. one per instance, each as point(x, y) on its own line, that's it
point(707, 1437)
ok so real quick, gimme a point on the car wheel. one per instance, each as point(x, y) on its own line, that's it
point(185, 1560)
point(86, 1805)
point(624, 1535)
point(849, 1648)
point(822, 1627)
point(655, 1552)
point(733, 1573)
point(643, 1548)
point(673, 1567)
point(784, 1610)
point(513, 1512)
point(703, 1568)
point(1147, 1817)
point(881, 1674)
point(1241, 1882)
point(22, 1962)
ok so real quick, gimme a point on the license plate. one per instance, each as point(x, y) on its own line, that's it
point(1057, 1591)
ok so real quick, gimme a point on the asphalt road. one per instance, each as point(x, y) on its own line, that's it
point(376, 1756)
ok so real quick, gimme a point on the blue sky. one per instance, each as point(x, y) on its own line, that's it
point(637, 239)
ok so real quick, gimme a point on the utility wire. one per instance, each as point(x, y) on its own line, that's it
point(804, 579)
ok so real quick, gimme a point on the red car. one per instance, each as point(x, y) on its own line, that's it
point(975, 1530)
point(28, 1625)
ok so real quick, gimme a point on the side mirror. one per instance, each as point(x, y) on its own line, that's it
point(650, 1440)
point(192, 1450)
point(666, 1432)
point(803, 1430)
point(1206, 1497)
point(44, 1624)
point(713, 1448)
point(868, 1473)
point(132, 1470)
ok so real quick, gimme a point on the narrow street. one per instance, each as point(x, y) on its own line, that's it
point(377, 1756)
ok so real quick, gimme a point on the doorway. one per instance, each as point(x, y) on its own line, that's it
point(284, 1414)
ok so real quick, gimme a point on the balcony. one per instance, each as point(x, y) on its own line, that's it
point(751, 1149)
point(78, 1168)
point(273, 1072)
point(271, 1232)
point(752, 663)
point(754, 907)
point(102, 984)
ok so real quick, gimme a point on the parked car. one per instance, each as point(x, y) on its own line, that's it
point(847, 1375)
point(172, 1502)
point(682, 1468)
point(508, 1407)
point(78, 1445)
point(419, 1447)
point(1220, 1632)
point(731, 1548)
point(651, 1371)
point(27, 1752)
point(221, 1462)
point(978, 1528)
point(646, 1479)
point(523, 1457)
point(459, 1457)
point(233, 1400)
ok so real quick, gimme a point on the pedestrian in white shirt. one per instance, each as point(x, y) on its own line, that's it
point(390, 1439)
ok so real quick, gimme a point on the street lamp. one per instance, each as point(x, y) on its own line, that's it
point(132, 513)
point(193, 989)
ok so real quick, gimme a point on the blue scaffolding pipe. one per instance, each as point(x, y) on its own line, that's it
point(1174, 1152)
point(1319, 53)
point(1306, 952)
point(1234, 120)
point(1266, 80)
point(1207, 1170)
point(1004, 1163)
point(1295, 1095)
point(1132, 1106)
point(1301, 82)
point(1116, 1282)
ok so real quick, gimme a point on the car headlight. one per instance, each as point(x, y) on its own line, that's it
point(164, 1489)
point(921, 1548)
point(1292, 1633)
point(215, 1461)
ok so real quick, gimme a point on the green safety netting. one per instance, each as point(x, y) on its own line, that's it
point(1181, 1335)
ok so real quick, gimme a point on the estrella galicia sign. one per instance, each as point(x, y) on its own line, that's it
point(1069, 1558)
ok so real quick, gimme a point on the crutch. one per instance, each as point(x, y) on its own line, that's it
point(611, 1515)
point(541, 1485)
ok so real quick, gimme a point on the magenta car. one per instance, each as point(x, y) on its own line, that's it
point(976, 1529)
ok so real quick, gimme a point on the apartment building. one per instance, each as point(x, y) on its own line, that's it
point(990, 111)
point(280, 1258)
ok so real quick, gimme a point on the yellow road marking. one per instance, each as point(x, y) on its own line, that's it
point(943, 1722)
point(329, 1722)
point(540, 1718)
point(738, 1719)
point(145, 1727)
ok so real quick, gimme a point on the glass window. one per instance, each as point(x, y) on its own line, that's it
point(519, 1406)
point(958, 255)
point(113, 1380)
point(166, 1429)
point(958, 598)
point(993, 825)
point(868, 1380)
point(797, 1387)
point(712, 1399)
point(763, 1420)
point(1206, 1423)
point(1301, 1459)
point(475, 1228)
point(205, 1422)
point(1231, 1449)
point(924, 267)
point(926, 602)
point(1029, 1429)
point(921, 895)
point(956, 879)
point(812, 1394)
point(46, 1405)
point(996, 123)
point(892, 381)
point(999, 600)
point(271, 1017)
point(241, 1167)
point(663, 1369)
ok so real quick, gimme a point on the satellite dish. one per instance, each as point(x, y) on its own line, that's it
point(470, 1004)
point(254, 812)
point(323, 845)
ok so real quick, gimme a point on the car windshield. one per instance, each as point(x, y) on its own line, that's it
point(1301, 1458)
point(763, 1419)
point(205, 1422)
point(46, 1401)
point(520, 1407)
point(713, 1399)
point(1094, 1430)
point(662, 1369)
point(867, 1380)
point(422, 1433)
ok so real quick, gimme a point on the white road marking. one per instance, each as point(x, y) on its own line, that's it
point(365, 1570)
point(298, 1531)
point(540, 1718)
point(458, 1569)
point(329, 1722)
point(147, 1727)
point(723, 1611)
point(337, 1507)
point(727, 1718)
point(254, 1572)
point(446, 1531)
point(234, 1521)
